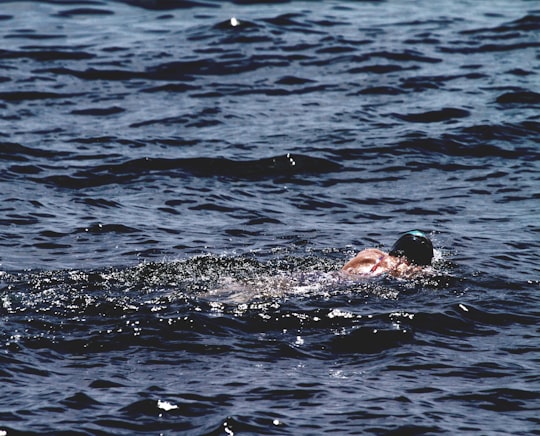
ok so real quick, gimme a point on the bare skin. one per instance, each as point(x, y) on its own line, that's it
point(372, 262)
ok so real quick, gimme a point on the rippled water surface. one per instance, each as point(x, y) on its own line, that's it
point(182, 180)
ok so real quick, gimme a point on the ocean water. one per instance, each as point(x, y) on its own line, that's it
point(182, 180)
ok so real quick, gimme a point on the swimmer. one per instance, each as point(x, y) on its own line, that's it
point(409, 257)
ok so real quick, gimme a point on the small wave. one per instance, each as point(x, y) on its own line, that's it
point(498, 399)
point(279, 166)
point(95, 74)
point(420, 83)
point(99, 112)
point(405, 56)
point(80, 401)
point(490, 48)
point(519, 97)
point(99, 228)
point(70, 13)
point(46, 54)
point(478, 135)
point(170, 4)
point(472, 142)
point(525, 24)
point(17, 152)
point(16, 96)
point(382, 90)
point(292, 22)
point(381, 69)
point(436, 116)
point(371, 340)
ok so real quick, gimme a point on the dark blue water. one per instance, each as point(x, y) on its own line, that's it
point(180, 181)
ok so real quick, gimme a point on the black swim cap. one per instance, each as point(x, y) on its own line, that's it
point(415, 246)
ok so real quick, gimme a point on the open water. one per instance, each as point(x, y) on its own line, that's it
point(180, 181)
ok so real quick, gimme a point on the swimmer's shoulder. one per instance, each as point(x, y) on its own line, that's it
point(364, 261)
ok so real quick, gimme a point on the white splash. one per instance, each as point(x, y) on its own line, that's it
point(165, 405)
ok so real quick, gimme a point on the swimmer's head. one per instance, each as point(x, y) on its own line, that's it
point(415, 246)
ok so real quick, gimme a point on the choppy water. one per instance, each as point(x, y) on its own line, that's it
point(179, 188)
